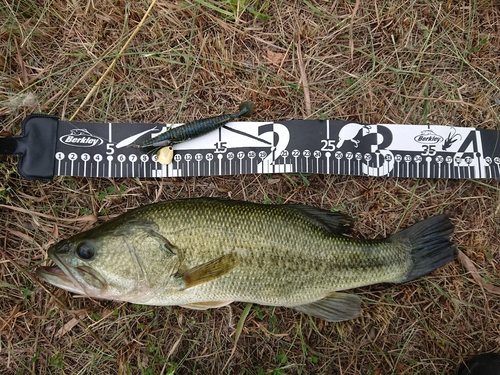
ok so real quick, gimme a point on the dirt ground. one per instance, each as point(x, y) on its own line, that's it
point(411, 62)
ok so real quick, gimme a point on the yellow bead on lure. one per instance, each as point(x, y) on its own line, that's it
point(203, 253)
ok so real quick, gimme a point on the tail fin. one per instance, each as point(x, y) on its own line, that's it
point(430, 243)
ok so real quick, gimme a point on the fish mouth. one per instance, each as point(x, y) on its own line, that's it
point(79, 280)
point(56, 276)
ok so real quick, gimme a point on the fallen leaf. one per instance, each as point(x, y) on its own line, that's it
point(66, 328)
point(276, 58)
point(469, 266)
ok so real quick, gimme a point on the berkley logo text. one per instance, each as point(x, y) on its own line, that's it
point(80, 138)
point(428, 137)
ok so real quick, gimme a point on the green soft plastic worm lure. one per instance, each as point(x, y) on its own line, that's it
point(195, 129)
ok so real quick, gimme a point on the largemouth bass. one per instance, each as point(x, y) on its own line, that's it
point(203, 253)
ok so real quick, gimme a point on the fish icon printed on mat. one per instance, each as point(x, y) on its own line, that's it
point(349, 132)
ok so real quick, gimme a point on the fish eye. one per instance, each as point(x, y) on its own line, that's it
point(85, 251)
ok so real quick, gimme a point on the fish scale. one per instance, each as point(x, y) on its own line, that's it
point(202, 253)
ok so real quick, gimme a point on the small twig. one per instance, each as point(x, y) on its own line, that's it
point(20, 62)
point(85, 218)
point(438, 100)
point(351, 40)
point(115, 60)
point(303, 79)
point(420, 95)
point(239, 328)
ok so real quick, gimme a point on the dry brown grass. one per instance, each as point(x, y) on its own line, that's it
point(418, 61)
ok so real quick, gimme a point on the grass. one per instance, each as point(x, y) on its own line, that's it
point(418, 61)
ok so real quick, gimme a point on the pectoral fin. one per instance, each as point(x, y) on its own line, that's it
point(206, 305)
point(207, 271)
point(336, 307)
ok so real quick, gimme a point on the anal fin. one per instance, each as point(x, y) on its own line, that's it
point(206, 305)
point(336, 307)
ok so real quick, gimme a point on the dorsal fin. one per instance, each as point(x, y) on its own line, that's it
point(333, 222)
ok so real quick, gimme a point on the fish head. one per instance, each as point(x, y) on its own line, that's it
point(126, 263)
point(76, 268)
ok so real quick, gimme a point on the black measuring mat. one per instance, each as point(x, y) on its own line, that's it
point(49, 147)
